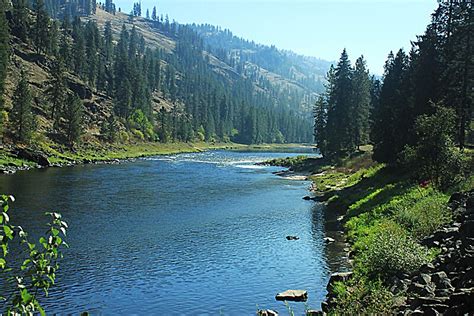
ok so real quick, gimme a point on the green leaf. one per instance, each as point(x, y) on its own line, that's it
point(26, 297)
point(3, 263)
point(8, 232)
point(54, 231)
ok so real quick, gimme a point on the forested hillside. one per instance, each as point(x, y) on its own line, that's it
point(92, 74)
point(297, 78)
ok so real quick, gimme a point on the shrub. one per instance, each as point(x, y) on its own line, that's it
point(39, 266)
point(390, 251)
point(426, 215)
point(360, 296)
point(435, 157)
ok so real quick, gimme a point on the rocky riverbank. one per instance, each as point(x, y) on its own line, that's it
point(444, 286)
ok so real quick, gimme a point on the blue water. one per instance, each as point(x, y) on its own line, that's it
point(189, 234)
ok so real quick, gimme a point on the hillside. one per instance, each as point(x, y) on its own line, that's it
point(144, 80)
point(299, 77)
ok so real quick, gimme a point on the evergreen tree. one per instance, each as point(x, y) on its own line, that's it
point(41, 27)
point(393, 120)
point(320, 120)
point(4, 49)
point(147, 14)
point(340, 124)
point(361, 98)
point(73, 116)
point(109, 129)
point(56, 92)
point(20, 19)
point(153, 14)
point(21, 117)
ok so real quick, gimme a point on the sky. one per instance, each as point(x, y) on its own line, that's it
point(318, 28)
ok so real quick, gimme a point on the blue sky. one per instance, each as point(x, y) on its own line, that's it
point(319, 28)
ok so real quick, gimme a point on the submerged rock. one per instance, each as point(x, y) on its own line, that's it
point(292, 295)
point(292, 237)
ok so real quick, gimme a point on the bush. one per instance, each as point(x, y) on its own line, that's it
point(391, 251)
point(139, 121)
point(425, 216)
point(435, 157)
point(360, 296)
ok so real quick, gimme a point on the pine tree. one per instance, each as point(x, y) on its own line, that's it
point(56, 92)
point(340, 125)
point(153, 14)
point(361, 86)
point(21, 118)
point(41, 27)
point(73, 116)
point(393, 118)
point(320, 121)
point(147, 14)
point(4, 48)
point(20, 19)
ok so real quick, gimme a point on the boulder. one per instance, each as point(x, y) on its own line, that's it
point(35, 156)
point(292, 237)
point(307, 198)
point(292, 295)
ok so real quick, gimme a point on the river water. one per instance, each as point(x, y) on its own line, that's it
point(188, 234)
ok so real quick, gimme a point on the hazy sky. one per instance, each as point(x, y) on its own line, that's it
point(319, 28)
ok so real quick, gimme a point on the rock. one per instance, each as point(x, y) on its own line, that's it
point(292, 237)
point(35, 156)
point(307, 198)
point(340, 277)
point(329, 240)
point(267, 312)
point(457, 199)
point(425, 279)
point(313, 312)
point(325, 307)
point(292, 295)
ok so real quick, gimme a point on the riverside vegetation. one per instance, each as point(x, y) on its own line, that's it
point(393, 195)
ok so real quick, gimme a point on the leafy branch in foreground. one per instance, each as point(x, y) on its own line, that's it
point(37, 273)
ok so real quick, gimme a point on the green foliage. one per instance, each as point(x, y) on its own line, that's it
point(361, 296)
point(4, 48)
point(38, 271)
point(22, 120)
point(73, 116)
point(390, 251)
point(341, 115)
point(435, 156)
point(424, 215)
point(140, 122)
point(41, 35)
point(109, 129)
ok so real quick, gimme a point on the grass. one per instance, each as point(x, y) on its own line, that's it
point(385, 214)
point(95, 152)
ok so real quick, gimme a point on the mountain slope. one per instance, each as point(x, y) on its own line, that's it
point(140, 79)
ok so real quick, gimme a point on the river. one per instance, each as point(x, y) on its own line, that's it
point(191, 234)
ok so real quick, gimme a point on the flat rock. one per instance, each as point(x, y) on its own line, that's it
point(292, 295)
point(329, 239)
point(267, 312)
